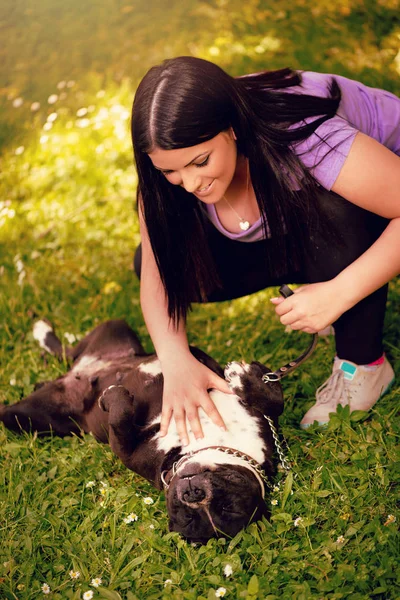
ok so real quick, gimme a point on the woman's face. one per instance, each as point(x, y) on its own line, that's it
point(205, 170)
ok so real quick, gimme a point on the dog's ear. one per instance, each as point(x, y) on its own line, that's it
point(266, 397)
point(207, 360)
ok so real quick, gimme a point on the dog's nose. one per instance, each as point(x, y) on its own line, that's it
point(192, 493)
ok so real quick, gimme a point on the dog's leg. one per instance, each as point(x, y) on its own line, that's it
point(245, 380)
point(45, 410)
point(43, 332)
point(123, 433)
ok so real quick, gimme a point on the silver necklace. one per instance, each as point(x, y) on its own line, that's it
point(243, 224)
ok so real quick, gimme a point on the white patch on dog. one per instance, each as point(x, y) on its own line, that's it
point(90, 365)
point(232, 373)
point(243, 432)
point(151, 368)
point(40, 330)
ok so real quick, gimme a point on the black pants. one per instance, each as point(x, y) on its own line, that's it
point(241, 267)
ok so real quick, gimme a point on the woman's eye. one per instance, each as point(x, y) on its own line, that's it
point(203, 164)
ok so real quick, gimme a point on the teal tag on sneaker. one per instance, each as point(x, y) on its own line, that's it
point(349, 370)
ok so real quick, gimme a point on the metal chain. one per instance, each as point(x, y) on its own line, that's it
point(283, 460)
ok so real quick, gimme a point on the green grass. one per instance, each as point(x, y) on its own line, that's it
point(68, 230)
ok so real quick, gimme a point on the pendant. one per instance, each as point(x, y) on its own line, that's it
point(244, 225)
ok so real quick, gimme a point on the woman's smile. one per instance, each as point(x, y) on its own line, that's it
point(204, 191)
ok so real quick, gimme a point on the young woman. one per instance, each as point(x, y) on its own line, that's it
point(254, 181)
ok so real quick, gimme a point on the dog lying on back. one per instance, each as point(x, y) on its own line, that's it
point(215, 485)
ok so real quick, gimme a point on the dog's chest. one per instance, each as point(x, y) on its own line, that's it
point(243, 431)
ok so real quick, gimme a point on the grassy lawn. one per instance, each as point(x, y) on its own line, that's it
point(68, 229)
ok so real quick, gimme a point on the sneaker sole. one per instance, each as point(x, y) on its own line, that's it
point(325, 423)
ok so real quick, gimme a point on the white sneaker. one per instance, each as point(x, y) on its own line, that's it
point(359, 386)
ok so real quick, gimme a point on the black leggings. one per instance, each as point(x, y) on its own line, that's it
point(241, 267)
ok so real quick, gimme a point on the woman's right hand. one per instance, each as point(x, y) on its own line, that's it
point(185, 390)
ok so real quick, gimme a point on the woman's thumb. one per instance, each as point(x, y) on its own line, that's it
point(220, 384)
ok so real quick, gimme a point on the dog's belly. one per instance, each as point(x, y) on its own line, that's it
point(243, 431)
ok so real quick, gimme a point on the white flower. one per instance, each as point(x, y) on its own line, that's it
point(96, 582)
point(390, 519)
point(167, 582)
point(17, 102)
point(148, 500)
point(88, 595)
point(13, 381)
point(276, 488)
point(228, 570)
point(61, 85)
point(71, 339)
point(103, 484)
point(35, 106)
point(220, 593)
point(45, 589)
point(130, 518)
point(341, 539)
point(74, 574)
point(44, 139)
point(81, 112)
point(151, 526)
point(52, 117)
point(19, 150)
point(297, 521)
point(52, 99)
point(90, 484)
point(274, 502)
point(47, 126)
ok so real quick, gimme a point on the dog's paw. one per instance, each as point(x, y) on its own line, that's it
point(234, 373)
point(110, 394)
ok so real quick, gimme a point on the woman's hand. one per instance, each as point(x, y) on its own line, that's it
point(185, 390)
point(312, 307)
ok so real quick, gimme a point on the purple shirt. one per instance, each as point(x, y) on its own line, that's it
point(372, 111)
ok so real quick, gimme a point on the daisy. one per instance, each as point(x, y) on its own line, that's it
point(74, 574)
point(340, 539)
point(88, 595)
point(45, 589)
point(52, 99)
point(390, 519)
point(148, 500)
point(96, 582)
point(130, 518)
point(297, 521)
point(228, 570)
point(167, 582)
point(220, 593)
point(274, 502)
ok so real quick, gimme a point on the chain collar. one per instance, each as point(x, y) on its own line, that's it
point(250, 463)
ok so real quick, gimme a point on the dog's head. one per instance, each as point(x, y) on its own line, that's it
point(214, 497)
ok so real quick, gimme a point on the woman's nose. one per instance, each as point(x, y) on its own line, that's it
point(190, 182)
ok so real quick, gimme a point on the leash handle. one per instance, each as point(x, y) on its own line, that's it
point(285, 291)
point(277, 375)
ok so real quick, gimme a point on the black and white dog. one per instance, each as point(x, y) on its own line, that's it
point(215, 485)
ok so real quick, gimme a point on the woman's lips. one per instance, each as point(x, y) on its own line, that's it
point(205, 190)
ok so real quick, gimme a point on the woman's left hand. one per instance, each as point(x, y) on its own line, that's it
point(312, 307)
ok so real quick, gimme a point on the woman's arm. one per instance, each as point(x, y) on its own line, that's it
point(186, 380)
point(370, 178)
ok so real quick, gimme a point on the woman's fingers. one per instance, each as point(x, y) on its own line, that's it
point(165, 419)
point(180, 420)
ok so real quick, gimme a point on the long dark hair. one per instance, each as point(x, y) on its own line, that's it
point(186, 101)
